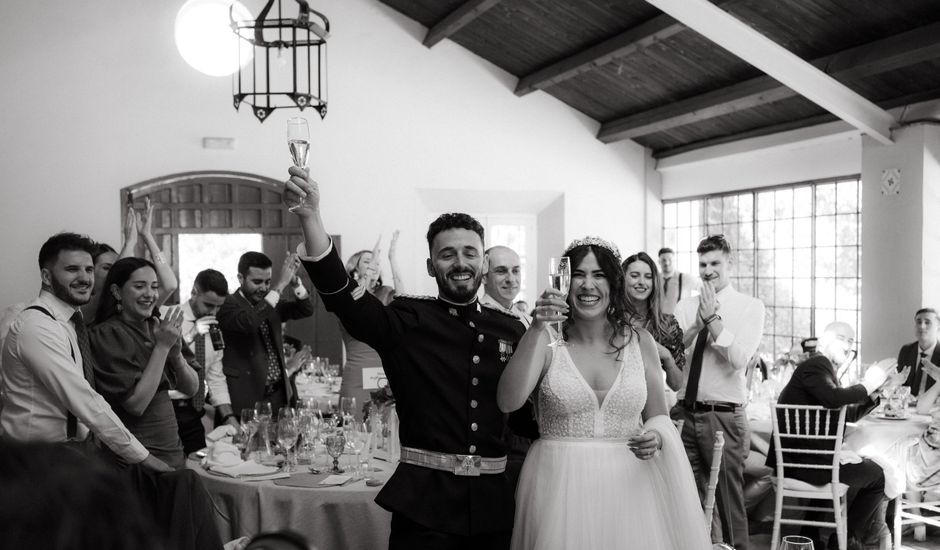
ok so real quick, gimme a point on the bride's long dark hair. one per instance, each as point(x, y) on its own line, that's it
point(617, 312)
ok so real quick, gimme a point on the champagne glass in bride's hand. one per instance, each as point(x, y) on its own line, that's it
point(298, 141)
point(559, 277)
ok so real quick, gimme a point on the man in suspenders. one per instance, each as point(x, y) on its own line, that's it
point(46, 384)
point(676, 285)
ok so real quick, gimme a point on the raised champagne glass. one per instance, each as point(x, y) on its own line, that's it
point(559, 277)
point(298, 142)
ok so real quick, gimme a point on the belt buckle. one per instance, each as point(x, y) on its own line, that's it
point(468, 465)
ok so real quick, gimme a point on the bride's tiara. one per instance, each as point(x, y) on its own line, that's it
point(595, 241)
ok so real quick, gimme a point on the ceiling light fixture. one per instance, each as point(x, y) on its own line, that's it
point(288, 66)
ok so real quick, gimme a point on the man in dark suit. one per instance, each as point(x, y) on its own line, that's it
point(250, 319)
point(924, 350)
point(443, 357)
point(814, 382)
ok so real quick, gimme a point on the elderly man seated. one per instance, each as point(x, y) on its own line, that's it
point(814, 382)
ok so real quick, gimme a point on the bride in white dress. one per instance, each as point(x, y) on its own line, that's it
point(609, 471)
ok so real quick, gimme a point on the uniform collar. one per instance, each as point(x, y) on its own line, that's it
point(488, 300)
point(460, 310)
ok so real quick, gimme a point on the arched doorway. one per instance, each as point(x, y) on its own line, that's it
point(228, 208)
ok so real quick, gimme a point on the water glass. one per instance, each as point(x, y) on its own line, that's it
point(795, 542)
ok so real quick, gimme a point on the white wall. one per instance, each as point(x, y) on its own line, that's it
point(96, 98)
point(761, 168)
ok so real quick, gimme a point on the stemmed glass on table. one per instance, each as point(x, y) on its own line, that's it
point(263, 416)
point(559, 277)
point(347, 406)
point(796, 542)
point(360, 438)
point(298, 142)
point(335, 445)
point(287, 431)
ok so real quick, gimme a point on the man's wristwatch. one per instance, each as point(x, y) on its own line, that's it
point(711, 318)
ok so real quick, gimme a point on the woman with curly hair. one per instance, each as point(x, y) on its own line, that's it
point(608, 471)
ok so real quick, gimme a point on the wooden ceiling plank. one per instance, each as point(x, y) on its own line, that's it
point(730, 33)
point(877, 57)
point(626, 43)
point(457, 19)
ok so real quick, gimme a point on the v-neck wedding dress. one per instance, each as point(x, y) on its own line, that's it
point(582, 488)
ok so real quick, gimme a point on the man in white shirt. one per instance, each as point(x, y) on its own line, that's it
point(209, 291)
point(676, 285)
point(501, 281)
point(46, 384)
point(722, 330)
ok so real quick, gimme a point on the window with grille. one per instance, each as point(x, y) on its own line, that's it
point(796, 247)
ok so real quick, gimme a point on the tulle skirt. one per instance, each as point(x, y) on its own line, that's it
point(596, 495)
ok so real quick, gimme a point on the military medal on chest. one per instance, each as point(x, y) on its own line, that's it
point(505, 350)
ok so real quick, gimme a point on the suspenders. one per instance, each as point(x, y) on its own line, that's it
point(71, 423)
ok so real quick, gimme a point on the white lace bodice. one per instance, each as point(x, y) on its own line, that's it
point(567, 406)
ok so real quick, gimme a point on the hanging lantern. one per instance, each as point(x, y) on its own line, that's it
point(288, 68)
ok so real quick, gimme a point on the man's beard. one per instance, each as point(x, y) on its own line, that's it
point(64, 293)
point(447, 289)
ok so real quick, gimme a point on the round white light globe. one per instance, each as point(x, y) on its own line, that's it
point(205, 39)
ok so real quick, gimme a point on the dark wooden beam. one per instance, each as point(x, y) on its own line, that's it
point(626, 43)
point(876, 57)
point(457, 19)
point(792, 125)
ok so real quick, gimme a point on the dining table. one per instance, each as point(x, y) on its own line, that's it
point(329, 517)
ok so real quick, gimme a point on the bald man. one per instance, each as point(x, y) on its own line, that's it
point(501, 281)
point(814, 382)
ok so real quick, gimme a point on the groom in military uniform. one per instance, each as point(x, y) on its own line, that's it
point(443, 357)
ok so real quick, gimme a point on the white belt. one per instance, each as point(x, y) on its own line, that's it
point(461, 465)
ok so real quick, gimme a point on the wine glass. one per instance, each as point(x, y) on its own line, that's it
point(287, 432)
point(796, 542)
point(298, 142)
point(335, 445)
point(263, 411)
point(559, 277)
point(347, 405)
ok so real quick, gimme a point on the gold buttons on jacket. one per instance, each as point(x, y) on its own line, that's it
point(476, 359)
point(475, 381)
point(474, 426)
point(473, 403)
point(479, 338)
point(473, 449)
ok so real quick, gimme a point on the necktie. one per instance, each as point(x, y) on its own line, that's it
point(199, 399)
point(274, 363)
point(88, 360)
point(920, 372)
point(695, 372)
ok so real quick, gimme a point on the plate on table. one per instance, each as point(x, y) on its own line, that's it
point(883, 416)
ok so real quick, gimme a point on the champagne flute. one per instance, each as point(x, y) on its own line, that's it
point(559, 277)
point(298, 142)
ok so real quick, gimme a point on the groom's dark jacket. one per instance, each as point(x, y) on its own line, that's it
point(443, 362)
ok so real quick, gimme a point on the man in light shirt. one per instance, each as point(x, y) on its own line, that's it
point(722, 329)
point(676, 285)
point(501, 281)
point(46, 385)
point(209, 291)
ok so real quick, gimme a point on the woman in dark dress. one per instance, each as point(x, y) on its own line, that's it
point(644, 301)
point(138, 357)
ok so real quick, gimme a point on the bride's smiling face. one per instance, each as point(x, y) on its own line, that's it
point(589, 295)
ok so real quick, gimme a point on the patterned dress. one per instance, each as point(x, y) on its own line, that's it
point(581, 487)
